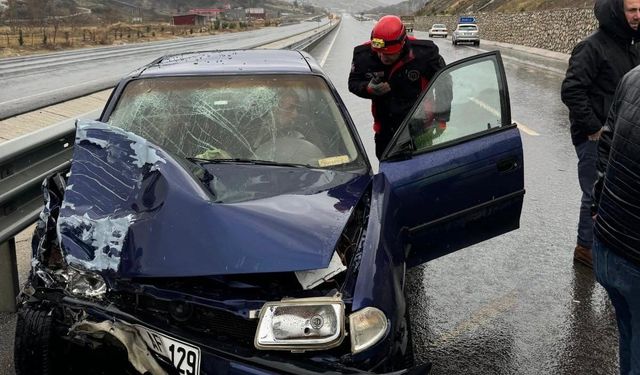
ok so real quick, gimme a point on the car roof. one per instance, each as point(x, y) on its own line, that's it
point(232, 62)
point(467, 24)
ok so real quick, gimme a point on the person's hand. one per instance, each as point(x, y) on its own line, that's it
point(595, 136)
point(378, 88)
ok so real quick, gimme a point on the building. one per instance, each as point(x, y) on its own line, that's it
point(208, 12)
point(189, 19)
point(256, 13)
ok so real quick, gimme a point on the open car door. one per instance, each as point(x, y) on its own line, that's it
point(456, 186)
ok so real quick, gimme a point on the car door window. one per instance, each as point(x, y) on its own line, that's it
point(462, 102)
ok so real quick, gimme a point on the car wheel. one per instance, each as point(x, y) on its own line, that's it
point(477, 44)
point(33, 342)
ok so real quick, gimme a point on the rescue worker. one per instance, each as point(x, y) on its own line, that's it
point(392, 69)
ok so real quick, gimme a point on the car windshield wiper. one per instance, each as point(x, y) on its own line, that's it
point(247, 161)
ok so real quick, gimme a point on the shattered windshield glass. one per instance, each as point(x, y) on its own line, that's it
point(290, 119)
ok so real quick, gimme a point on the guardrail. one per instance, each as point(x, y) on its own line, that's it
point(24, 163)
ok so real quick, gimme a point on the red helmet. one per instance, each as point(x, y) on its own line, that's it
point(388, 35)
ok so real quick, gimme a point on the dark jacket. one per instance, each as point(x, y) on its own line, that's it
point(408, 77)
point(616, 195)
point(596, 66)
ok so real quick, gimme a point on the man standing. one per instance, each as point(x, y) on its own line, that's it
point(392, 70)
point(616, 198)
point(596, 66)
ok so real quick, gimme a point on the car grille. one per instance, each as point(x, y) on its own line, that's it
point(225, 325)
point(214, 323)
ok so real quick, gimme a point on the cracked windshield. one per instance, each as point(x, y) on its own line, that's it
point(280, 119)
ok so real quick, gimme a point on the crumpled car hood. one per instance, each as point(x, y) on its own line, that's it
point(132, 209)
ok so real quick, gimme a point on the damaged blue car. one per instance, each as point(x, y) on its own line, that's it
point(222, 217)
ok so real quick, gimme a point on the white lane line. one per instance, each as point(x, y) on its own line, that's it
point(326, 54)
point(492, 110)
point(527, 130)
point(480, 318)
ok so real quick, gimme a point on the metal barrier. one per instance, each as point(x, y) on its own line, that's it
point(24, 163)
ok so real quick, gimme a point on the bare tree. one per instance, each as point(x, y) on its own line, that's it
point(11, 13)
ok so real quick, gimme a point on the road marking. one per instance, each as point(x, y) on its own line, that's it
point(527, 130)
point(493, 111)
point(324, 58)
point(479, 318)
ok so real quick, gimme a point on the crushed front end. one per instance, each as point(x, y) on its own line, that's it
point(135, 270)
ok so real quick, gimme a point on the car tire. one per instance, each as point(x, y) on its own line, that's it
point(477, 44)
point(33, 342)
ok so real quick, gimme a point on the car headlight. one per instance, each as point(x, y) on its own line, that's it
point(86, 284)
point(301, 324)
point(367, 327)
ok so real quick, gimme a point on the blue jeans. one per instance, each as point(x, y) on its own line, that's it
point(621, 279)
point(587, 154)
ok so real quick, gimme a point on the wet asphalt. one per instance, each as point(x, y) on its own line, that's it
point(516, 304)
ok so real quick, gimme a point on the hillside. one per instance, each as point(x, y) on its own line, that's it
point(166, 7)
point(352, 6)
point(111, 11)
point(433, 7)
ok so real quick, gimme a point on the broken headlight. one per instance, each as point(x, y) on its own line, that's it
point(85, 284)
point(367, 327)
point(301, 324)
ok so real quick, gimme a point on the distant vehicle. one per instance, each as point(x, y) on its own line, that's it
point(466, 33)
point(408, 22)
point(438, 29)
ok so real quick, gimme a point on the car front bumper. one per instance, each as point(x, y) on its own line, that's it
point(214, 357)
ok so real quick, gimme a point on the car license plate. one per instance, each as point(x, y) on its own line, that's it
point(185, 357)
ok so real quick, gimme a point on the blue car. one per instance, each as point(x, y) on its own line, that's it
point(222, 217)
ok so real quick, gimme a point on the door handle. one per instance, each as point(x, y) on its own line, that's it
point(507, 165)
